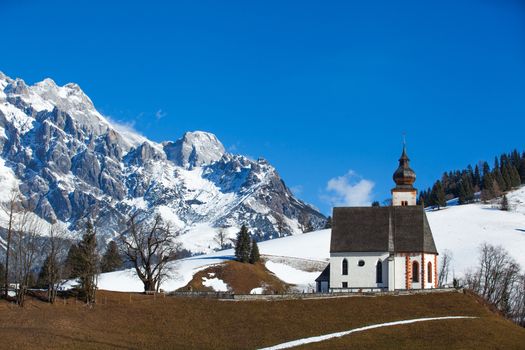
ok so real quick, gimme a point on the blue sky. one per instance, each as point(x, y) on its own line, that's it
point(322, 89)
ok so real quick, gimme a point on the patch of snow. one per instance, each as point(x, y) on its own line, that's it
point(258, 290)
point(288, 274)
point(217, 284)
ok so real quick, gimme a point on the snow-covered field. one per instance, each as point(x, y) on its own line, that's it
point(462, 229)
point(459, 229)
point(311, 246)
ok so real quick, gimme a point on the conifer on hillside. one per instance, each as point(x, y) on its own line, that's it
point(504, 203)
point(86, 262)
point(508, 173)
point(438, 195)
point(242, 245)
point(111, 260)
point(254, 252)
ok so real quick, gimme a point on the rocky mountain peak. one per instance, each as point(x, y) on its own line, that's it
point(195, 149)
point(70, 161)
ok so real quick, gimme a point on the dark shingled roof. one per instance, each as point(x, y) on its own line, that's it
point(381, 229)
point(325, 275)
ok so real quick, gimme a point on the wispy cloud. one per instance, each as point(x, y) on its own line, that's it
point(160, 114)
point(297, 190)
point(124, 127)
point(350, 189)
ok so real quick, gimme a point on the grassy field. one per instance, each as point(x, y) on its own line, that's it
point(135, 321)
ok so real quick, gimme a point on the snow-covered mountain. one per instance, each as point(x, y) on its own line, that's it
point(71, 162)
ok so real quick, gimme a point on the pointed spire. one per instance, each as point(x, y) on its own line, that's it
point(404, 154)
point(404, 176)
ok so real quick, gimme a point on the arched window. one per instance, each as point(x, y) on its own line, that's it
point(415, 271)
point(429, 272)
point(379, 272)
point(345, 267)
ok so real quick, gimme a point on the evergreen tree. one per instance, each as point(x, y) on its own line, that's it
point(514, 177)
point(376, 204)
point(462, 197)
point(487, 192)
point(515, 158)
point(477, 178)
point(498, 178)
point(438, 195)
point(73, 261)
point(254, 253)
point(504, 203)
point(86, 266)
point(48, 272)
point(506, 177)
point(486, 168)
point(521, 170)
point(242, 245)
point(111, 260)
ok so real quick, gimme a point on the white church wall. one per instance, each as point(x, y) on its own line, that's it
point(433, 283)
point(358, 276)
point(400, 271)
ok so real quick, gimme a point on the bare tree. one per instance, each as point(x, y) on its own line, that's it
point(497, 279)
point(53, 269)
point(518, 301)
point(11, 207)
point(444, 267)
point(26, 234)
point(149, 246)
point(221, 238)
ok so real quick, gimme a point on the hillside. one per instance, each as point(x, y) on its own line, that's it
point(135, 321)
point(70, 162)
point(298, 260)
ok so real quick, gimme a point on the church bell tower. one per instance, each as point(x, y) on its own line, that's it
point(404, 193)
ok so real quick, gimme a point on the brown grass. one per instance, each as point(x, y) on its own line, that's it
point(483, 333)
point(135, 321)
point(241, 278)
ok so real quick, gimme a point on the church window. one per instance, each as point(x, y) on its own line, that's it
point(415, 271)
point(429, 272)
point(345, 284)
point(404, 203)
point(361, 263)
point(345, 267)
point(379, 272)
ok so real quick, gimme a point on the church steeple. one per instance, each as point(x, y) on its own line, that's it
point(404, 176)
point(404, 193)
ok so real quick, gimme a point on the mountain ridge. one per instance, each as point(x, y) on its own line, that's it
point(71, 161)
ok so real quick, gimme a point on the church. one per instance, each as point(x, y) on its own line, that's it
point(382, 248)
